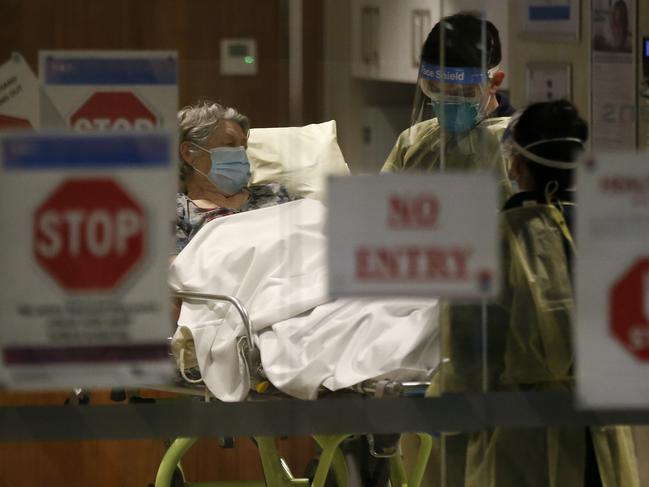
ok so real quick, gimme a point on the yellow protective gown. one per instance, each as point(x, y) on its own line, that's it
point(419, 148)
point(530, 348)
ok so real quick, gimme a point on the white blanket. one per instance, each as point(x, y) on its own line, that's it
point(274, 261)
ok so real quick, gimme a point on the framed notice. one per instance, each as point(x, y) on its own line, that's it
point(414, 235)
point(109, 91)
point(551, 20)
point(614, 97)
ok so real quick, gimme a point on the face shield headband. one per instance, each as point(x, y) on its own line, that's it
point(525, 152)
point(454, 85)
point(447, 74)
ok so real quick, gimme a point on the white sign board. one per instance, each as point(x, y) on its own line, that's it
point(414, 235)
point(112, 90)
point(83, 259)
point(19, 95)
point(613, 281)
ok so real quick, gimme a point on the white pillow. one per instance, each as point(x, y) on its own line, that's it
point(300, 158)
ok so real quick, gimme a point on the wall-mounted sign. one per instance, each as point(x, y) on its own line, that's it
point(614, 86)
point(549, 19)
point(613, 281)
point(83, 260)
point(111, 91)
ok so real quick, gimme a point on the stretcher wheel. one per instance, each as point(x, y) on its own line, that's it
point(177, 480)
point(309, 473)
point(78, 398)
point(118, 395)
point(226, 442)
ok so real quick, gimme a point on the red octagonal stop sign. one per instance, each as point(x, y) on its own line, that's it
point(88, 234)
point(113, 110)
point(629, 309)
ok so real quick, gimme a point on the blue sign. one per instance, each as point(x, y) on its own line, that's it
point(550, 13)
point(66, 70)
point(43, 152)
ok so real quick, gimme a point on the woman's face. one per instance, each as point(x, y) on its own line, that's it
point(226, 134)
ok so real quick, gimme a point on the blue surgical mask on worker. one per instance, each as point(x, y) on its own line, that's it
point(457, 117)
point(230, 171)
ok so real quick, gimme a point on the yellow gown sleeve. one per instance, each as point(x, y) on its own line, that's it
point(394, 162)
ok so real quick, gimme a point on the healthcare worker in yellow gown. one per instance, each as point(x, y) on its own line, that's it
point(458, 119)
point(529, 327)
point(458, 116)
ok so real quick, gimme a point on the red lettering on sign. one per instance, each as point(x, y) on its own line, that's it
point(412, 263)
point(624, 184)
point(413, 212)
point(88, 234)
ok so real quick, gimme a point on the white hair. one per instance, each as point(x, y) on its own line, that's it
point(197, 122)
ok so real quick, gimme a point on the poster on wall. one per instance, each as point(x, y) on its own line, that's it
point(612, 284)
point(19, 107)
point(613, 75)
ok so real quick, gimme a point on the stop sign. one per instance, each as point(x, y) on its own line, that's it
point(8, 122)
point(113, 110)
point(88, 234)
point(629, 309)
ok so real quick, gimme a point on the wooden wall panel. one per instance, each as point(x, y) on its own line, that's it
point(313, 62)
point(193, 28)
point(127, 463)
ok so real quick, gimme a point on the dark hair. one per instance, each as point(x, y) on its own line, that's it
point(551, 120)
point(463, 42)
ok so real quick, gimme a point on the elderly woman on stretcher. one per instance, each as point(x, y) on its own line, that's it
point(215, 171)
point(274, 261)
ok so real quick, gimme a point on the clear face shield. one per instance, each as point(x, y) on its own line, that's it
point(457, 97)
point(453, 100)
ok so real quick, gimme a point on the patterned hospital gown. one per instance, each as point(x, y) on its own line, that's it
point(190, 218)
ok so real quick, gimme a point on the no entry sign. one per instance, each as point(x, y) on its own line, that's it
point(83, 264)
point(108, 91)
point(407, 235)
point(613, 281)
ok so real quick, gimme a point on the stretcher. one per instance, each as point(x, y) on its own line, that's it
point(275, 469)
point(301, 159)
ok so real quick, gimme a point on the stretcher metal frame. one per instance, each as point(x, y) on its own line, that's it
point(276, 471)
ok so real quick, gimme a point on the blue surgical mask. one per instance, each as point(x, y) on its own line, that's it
point(230, 171)
point(457, 117)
